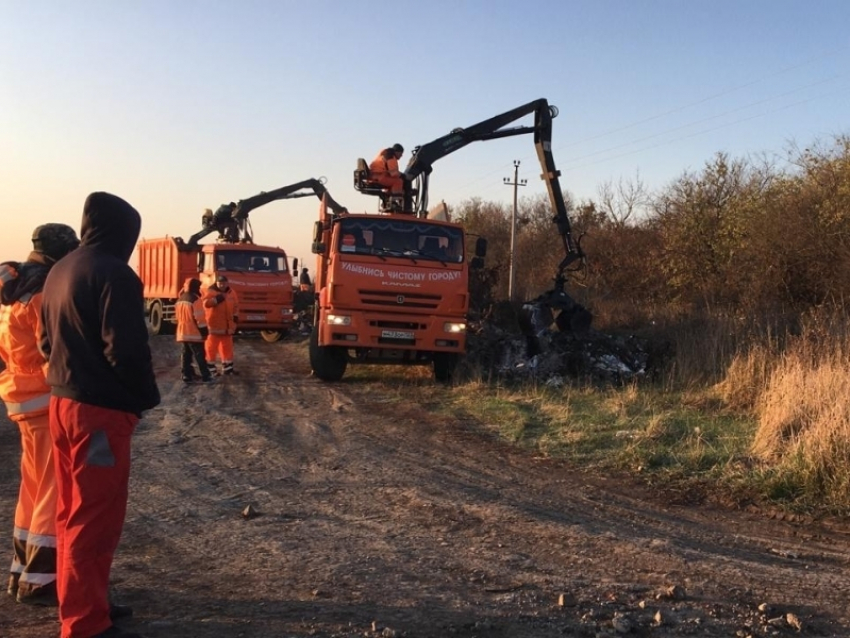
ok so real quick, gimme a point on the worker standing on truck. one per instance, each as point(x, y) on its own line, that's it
point(384, 169)
point(220, 305)
point(102, 379)
point(27, 397)
point(192, 332)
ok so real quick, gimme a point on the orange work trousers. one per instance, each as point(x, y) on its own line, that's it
point(221, 346)
point(91, 451)
point(393, 184)
point(34, 537)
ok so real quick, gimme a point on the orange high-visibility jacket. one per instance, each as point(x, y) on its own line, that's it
point(22, 385)
point(189, 311)
point(384, 164)
point(220, 310)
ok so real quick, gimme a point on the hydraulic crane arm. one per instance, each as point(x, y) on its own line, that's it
point(424, 156)
point(231, 220)
point(420, 165)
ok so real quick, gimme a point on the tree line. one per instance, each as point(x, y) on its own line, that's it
point(749, 238)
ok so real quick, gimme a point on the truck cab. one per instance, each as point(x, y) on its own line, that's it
point(259, 274)
point(391, 289)
point(262, 280)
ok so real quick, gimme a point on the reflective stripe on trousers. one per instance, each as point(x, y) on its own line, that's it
point(34, 536)
point(220, 346)
point(35, 404)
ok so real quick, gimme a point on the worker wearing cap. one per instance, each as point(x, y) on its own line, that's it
point(220, 306)
point(27, 397)
point(384, 169)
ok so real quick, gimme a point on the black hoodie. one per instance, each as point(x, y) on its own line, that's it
point(94, 330)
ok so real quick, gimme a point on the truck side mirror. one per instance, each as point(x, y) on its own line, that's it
point(318, 246)
point(295, 264)
point(318, 231)
point(481, 247)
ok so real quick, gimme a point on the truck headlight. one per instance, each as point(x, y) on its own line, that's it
point(454, 327)
point(339, 320)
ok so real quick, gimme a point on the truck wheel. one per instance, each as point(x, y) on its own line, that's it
point(444, 366)
point(155, 315)
point(270, 336)
point(328, 362)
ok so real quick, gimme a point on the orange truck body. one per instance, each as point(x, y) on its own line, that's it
point(383, 297)
point(260, 276)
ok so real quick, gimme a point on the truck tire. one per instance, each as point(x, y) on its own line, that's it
point(271, 336)
point(155, 317)
point(328, 362)
point(444, 366)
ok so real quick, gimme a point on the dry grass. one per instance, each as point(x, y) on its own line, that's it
point(747, 377)
point(764, 412)
point(804, 413)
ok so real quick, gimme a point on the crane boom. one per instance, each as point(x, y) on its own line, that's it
point(231, 220)
point(421, 164)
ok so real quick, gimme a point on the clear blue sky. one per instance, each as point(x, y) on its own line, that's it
point(180, 105)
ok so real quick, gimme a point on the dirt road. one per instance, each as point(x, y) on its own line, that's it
point(374, 517)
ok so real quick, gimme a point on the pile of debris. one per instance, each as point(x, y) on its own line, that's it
point(535, 346)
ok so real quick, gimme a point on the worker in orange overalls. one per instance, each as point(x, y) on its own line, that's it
point(384, 169)
point(220, 306)
point(192, 331)
point(27, 397)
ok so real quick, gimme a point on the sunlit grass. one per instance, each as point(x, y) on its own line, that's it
point(616, 428)
point(767, 421)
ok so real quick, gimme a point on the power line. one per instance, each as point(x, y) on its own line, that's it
point(712, 117)
point(704, 100)
point(708, 130)
point(709, 98)
point(582, 164)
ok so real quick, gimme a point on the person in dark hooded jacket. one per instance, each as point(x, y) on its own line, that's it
point(26, 395)
point(102, 380)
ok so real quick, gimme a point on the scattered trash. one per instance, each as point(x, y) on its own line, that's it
point(551, 356)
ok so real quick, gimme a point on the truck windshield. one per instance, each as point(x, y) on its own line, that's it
point(250, 260)
point(413, 239)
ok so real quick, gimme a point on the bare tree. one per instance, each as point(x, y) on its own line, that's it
point(622, 202)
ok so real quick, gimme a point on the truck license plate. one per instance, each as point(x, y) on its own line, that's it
point(255, 318)
point(396, 334)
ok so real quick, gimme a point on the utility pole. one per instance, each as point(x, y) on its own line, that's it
point(516, 183)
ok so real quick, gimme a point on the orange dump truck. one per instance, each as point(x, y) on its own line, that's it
point(259, 274)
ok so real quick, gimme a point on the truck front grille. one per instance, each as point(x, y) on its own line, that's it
point(386, 298)
point(254, 297)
